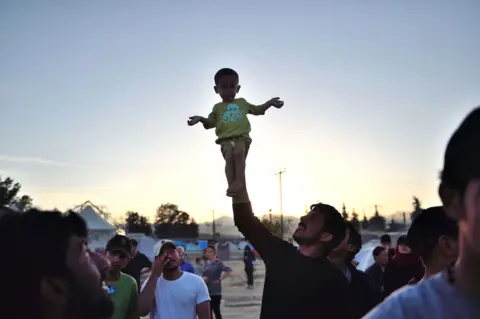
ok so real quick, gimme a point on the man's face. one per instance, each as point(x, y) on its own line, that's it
point(382, 258)
point(227, 87)
point(386, 245)
point(465, 209)
point(309, 229)
point(181, 253)
point(118, 260)
point(210, 253)
point(469, 225)
point(86, 294)
point(172, 258)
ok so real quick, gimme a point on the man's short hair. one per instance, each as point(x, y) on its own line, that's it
point(134, 242)
point(377, 251)
point(386, 239)
point(34, 245)
point(333, 223)
point(355, 239)
point(428, 227)
point(462, 154)
point(224, 72)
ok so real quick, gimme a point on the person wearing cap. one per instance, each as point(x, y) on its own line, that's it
point(455, 291)
point(122, 287)
point(170, 292)
point(434, 236)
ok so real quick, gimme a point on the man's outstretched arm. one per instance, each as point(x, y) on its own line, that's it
point(263, 241)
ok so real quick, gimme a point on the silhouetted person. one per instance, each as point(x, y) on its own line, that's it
point(405, 267)
point(249, 261)
point(376, 271)
point(46, 267)
point(299, 283)
point(452, 293)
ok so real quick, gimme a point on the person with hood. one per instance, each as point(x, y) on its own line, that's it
point(405, 267)
point(249, 260)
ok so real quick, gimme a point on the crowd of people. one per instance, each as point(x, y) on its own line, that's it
point(433, 271)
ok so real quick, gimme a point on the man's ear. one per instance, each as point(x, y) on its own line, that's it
point(215, 89)
point(54, 290)
point(238, 88)
point(326, 237)
point(351, 248)
point(451, 201)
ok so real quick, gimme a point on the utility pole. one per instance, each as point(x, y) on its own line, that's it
point(280, 173)
point(270, 215)
point(214, 230)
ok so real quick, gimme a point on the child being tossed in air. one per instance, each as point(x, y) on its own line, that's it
point(232, 127)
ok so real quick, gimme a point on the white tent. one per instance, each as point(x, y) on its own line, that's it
point(100, 229)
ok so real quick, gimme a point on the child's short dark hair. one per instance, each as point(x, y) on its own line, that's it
point(427, 228)
point(224, 72)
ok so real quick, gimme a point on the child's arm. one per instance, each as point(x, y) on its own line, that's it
point(261, 109)
point(208, 122)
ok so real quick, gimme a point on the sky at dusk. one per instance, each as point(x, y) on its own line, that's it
point(95, 96)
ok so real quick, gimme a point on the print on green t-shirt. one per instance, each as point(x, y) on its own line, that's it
point(124, 297)
point(231, 119)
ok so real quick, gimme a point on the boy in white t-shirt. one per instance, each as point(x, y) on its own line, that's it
point(170, 293)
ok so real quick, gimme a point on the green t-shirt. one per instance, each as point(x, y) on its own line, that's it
point(231, 119)
point(124, 296)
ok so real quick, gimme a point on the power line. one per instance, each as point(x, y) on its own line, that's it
point(280, 173)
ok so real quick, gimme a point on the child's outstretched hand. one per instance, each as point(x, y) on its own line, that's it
point(276, 102)
point(192, 120)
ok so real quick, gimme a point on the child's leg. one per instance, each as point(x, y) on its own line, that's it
point(227, 152)
point(239, 152)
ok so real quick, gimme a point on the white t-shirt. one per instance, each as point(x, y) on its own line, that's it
point(178, 299)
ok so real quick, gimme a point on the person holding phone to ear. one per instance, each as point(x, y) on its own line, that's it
point(170, 292)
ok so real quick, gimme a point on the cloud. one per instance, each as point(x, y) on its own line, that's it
point(32, 160)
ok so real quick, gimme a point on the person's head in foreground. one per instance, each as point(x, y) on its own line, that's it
point(380, 256)
point(118, 253)
point(434, 236)
point(47, 268)
point(454, 292)
point(172, 258)
point(348, 248)
point(460, 194)
point(226, 84)
point(320, 231)
point(386, 241)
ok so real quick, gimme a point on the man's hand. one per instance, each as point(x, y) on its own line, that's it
point(192, 120)
point(275, 102)
point(205, 278)
point(158, 264)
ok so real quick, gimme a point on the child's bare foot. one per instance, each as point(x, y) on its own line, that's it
point(234, 188)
